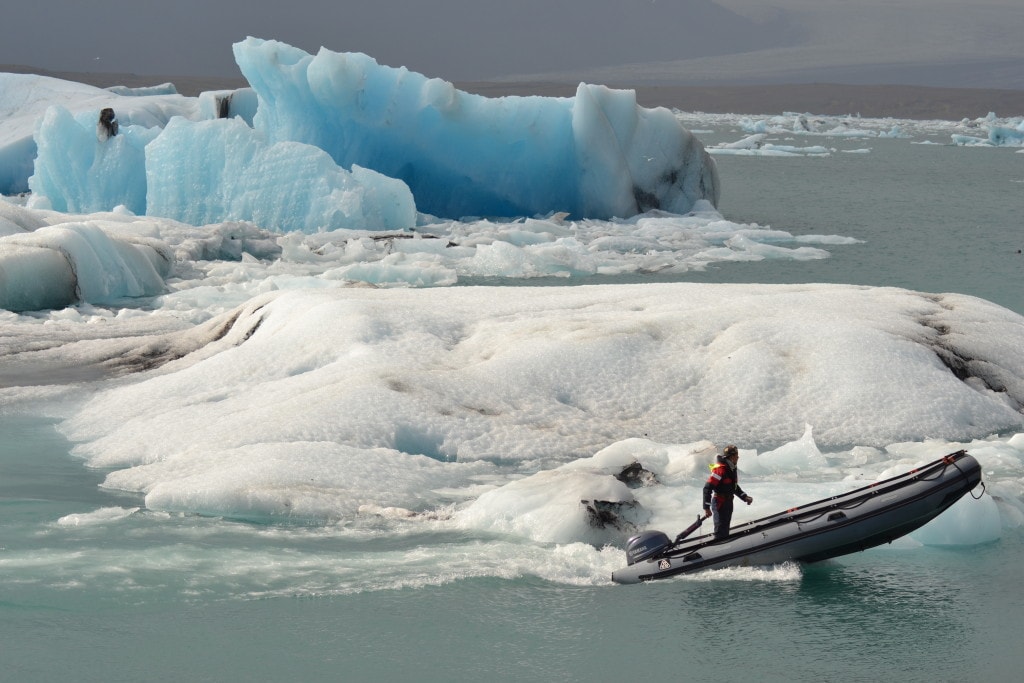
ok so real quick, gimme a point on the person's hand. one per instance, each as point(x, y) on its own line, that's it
point(749, 500)
point(707, 513)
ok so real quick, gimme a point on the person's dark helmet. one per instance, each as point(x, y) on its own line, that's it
point(730, 451)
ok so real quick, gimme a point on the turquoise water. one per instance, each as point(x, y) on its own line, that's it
point(165, 598)
point(933, 218)
point(880, 616)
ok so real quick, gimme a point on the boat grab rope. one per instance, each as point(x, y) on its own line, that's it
point(950, 460)
point(832, 508)
point(930, 472)
point(919, 474)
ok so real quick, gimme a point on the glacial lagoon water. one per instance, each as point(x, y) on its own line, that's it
point(97, 588)
point(934, 218)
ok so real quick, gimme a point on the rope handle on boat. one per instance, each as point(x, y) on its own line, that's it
point(945, 461)
point(933, 471)
point(804, 520)
point(949, 459)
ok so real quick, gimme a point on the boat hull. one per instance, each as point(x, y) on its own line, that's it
point(858, 520)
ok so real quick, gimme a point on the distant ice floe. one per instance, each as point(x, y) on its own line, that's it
point(755, 145)
point(988, 130)
point(1000, 134)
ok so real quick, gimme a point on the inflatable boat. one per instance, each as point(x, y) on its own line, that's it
point(860, 519)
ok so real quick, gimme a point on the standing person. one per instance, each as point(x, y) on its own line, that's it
point(724, 484)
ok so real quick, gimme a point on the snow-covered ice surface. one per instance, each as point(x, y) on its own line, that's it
point(323, 404)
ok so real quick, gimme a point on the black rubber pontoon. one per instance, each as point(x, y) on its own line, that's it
point(858, 520)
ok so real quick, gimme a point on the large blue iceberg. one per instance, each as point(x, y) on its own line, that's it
point(339, 141)
point(597, 155)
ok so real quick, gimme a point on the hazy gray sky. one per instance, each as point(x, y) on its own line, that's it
point(676, 40)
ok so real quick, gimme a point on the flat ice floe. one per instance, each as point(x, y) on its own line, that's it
point(50, 259)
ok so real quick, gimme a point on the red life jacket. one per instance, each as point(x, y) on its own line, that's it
point(723, 482)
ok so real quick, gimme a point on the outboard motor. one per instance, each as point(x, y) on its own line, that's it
point(645, 545)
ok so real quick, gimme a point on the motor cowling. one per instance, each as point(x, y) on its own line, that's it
point(645, 545)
